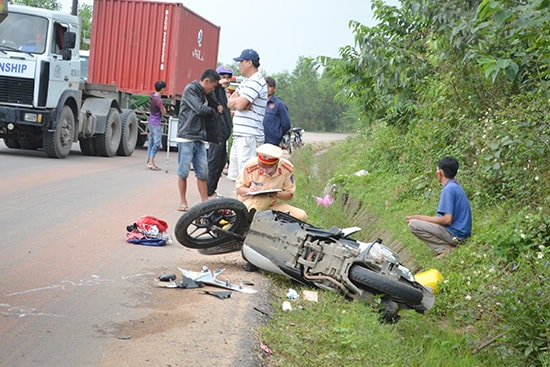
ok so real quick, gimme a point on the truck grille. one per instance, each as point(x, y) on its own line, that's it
point(16, 90)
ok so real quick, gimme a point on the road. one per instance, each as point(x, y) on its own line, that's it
point(73, 292)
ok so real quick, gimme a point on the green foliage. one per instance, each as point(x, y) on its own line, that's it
point(310, 98)
point(492, 308)
point(515, 41)
point(45, 4)
point(467, 79)
point(85, 13)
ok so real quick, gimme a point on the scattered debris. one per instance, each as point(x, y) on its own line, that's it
point(261, 311)
point(292, 294)
point(311, 296)
point(167, 277)
point(149, 231)
point(220, 295)
point(211, 278)
point(324, 201)
point(265, 349)
point(287, 307)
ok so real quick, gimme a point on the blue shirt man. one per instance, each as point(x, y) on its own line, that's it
point(276, 120)
point(453, 222)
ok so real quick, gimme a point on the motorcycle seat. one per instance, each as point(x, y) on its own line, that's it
point(332, 232)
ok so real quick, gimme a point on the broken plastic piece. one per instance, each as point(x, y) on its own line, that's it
point(220, 295)
point(167, 277)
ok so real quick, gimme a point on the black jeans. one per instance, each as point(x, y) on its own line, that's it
point(217, 158)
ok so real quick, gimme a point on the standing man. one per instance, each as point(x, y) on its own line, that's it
point(157, 110)
point(268, 171)
point(191, 137)
point(249, 101)
point(453, 222)
point(217, 150)
point(276, 119)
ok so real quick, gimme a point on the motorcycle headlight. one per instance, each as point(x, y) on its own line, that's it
point(380, 254)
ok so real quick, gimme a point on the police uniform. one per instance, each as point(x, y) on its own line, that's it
point(282, 178)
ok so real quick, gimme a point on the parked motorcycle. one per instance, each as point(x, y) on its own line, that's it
point(293, 139)
point(324, 258)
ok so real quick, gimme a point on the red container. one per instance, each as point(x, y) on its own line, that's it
point(134, 43)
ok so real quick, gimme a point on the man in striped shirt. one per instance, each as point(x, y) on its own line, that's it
point(249, 102)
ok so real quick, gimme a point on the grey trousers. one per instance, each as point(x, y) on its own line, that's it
point(434, 235)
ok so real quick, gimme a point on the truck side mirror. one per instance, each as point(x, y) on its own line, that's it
point(69, 40)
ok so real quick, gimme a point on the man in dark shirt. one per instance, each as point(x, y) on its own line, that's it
point(192, 137)
point(217, 147)
point(276, 119)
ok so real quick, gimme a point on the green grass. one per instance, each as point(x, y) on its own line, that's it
point(488, 312)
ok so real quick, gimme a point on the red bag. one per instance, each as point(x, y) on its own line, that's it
point(146, 222)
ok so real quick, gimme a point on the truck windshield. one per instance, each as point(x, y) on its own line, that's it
point(24, 33)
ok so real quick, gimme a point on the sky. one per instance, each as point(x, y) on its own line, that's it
point(280, 31)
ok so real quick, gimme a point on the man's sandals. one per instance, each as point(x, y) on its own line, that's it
point(153, 168)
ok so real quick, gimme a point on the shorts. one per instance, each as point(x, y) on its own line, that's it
point(192, 152)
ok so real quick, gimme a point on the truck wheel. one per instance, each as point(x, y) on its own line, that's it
point(87, 146)
point(58, 144)
point(129, 136)
point(108, 142)
point(12, 143)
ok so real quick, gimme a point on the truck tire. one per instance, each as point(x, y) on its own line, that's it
point(129, 135)
point(87, 146)
point(108, 142)
point(58, 144)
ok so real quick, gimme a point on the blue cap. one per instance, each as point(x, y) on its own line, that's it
point(224, 70)
point(248, 54)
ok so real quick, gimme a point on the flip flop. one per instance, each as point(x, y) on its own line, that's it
point(183, 208)
point(153, 168)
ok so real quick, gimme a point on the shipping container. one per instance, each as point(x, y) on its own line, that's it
point(137, 42)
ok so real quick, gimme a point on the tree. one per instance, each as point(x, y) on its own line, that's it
point(85, 13)
point(309, 95)
point(44, 4)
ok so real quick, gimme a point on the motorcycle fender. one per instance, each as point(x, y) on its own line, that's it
point(262, 262)
point(428, 300)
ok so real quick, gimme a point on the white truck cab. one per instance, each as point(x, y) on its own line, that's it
point(39, 76)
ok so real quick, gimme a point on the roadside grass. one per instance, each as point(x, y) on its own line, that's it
point(477, 319)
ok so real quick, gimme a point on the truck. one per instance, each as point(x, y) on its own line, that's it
point(45, 103)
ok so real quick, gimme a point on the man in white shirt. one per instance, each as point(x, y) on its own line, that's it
point(249, 102)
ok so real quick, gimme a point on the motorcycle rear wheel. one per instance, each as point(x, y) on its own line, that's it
point(400, 292)
point(214, 227)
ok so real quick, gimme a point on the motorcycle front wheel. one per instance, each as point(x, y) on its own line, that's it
point(213, 227)
point(400, 292)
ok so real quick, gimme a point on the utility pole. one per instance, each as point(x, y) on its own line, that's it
point(74, 10)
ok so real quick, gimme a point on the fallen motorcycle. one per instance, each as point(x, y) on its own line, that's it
point(324, 258)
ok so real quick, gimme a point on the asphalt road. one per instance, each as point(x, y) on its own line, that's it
point(73, 292)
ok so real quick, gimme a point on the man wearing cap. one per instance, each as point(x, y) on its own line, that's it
point(217, 148)
point(249, 102)
point(268, 171)
point(276, 119)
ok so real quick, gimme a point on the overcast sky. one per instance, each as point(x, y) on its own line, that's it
point(281, 31)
